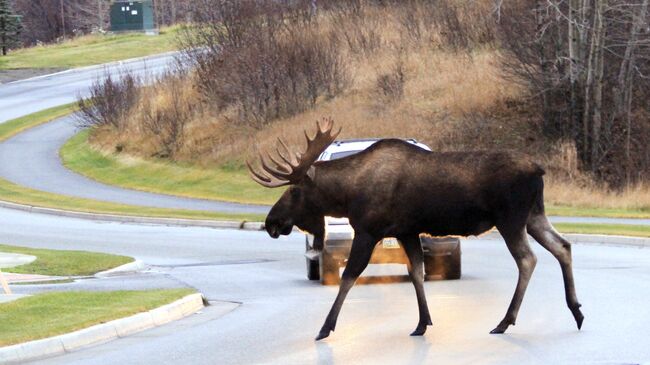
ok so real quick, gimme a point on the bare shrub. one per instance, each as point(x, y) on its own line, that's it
point(110, 101)
point(165, 123)
point(262, 59)
point(360, 30)
point(446, 23)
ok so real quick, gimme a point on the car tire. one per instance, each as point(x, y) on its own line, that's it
point(443, 267)
point(329, 269)
point(313, 269)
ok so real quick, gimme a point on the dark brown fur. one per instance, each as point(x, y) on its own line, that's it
point(395, 189)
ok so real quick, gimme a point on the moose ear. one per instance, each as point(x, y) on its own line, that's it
point(311, 173)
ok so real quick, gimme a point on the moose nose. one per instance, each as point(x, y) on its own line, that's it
point(273, 232)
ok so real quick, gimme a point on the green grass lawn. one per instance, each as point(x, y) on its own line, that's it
point(65, 263)
point(15, 126)
point(50, 314)
point(610, 229)
point(223, 183)
point(18, 194)
point(91, 50)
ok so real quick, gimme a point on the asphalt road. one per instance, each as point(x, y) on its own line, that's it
point(276, 312)
point(32, 159)
point(28, 96)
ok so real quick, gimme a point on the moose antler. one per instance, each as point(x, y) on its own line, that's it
point(288, 167)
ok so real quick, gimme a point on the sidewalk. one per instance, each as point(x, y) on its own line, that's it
point(13, 278)
point(9, 260)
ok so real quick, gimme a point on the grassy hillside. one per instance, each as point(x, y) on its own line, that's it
point(90, 50)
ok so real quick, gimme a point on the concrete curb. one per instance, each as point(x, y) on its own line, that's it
point(177, 222)
point(601, 239)
point(101, 333)
point(590, 239)
point(133, 266)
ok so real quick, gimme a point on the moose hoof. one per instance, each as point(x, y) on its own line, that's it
point(577, 314)
point(322, 334)
point(420, 330)
point(501, 328)
point(497, 331)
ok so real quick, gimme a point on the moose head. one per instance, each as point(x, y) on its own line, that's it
point(301, 204)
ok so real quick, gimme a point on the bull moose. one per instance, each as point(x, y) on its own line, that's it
point(396, 189)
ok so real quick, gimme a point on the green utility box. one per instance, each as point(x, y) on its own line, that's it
point(132, 16)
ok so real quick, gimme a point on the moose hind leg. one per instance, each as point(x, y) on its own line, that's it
point(413, 249)
point(525, 258)
point(543, 232)
point(362, 247)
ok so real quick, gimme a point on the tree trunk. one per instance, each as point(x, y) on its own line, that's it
point(3, 36)
point(574, 50)
point(541, 54)
point(589, 82)
point(100, 14)
point(623, 100)
point(598, 85)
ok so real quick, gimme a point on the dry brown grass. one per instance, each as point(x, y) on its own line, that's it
point(443, 93)
point(452, 100)
point(566, 185)
point(574, 194)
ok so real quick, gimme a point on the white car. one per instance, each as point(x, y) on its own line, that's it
point(441, 255)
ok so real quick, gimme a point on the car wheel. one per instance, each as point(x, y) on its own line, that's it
point(443, 267)
point(313, 269)
point(329, 269)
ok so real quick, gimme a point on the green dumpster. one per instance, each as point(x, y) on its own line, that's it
point(132, 16)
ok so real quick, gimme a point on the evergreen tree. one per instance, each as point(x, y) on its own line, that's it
point(10, 27)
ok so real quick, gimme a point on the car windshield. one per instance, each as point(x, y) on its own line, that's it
point(337, 155)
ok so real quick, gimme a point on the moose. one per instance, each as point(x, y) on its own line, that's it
point(396, 189)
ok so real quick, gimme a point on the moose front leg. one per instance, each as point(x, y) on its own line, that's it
point(362, 247)
point(413, 249)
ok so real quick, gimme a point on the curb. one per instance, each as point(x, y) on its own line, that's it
point(588, 239)
point(176, 222)
point(101, 333)
point(133, 266)
point(601, 239)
